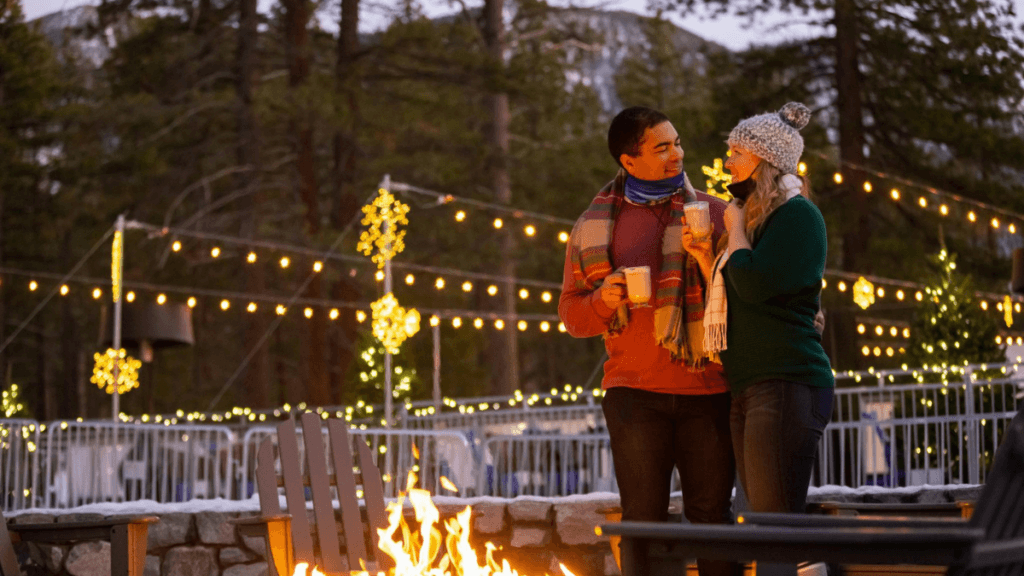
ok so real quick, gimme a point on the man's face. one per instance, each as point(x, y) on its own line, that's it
point(661, 155)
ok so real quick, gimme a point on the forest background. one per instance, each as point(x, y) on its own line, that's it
point(277, 126)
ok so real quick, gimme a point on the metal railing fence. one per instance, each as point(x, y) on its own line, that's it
point(546, 465)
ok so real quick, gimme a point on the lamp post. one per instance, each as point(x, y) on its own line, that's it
point(116, 276)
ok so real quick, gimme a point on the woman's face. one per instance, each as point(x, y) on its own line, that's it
point(741, 163)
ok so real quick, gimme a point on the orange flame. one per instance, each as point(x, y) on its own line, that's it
point(419, 553)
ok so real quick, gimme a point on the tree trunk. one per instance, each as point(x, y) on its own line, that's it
point(504, 344)
point(297, 13)
point(851, 151)
point(346, 199)
point(257, 378)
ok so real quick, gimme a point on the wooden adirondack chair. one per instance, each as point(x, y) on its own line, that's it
point(127, 537)
point(991, 542)
point(289, 536)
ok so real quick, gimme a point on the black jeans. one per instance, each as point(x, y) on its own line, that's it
point(652, 433)
point(776, 426)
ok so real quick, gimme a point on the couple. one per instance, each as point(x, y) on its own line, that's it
point(723, 372)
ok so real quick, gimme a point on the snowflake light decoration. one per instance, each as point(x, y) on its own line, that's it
point(392, 324)
point(716, 174)
point(383, 216)
point(863, 293)
point(103, 371)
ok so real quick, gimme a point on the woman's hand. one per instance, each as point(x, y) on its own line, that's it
point(700, 250)
point(735, 216)
point(613, 290)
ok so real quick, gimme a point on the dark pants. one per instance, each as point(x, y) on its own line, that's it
point(776, 426)
point(653, 433)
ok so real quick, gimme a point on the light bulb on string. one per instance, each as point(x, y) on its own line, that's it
point(522, 325)
point(972, 216)
point(460, 216)
point(530, 230)
point(545, 326)
point(333, 315)
point(176, 246)
point(378, 275)
point(251, 258)
point(33, 285)
point(64, 289)
point(867, 187)
point(498, 223)
point(894, 194)
point(499, 324)
point(478, 323)
point(191, 302)
point(842, 286)
point(456, 322)
point(524, 293)
point(280, 310)
point(439, 283)
point(318, 266)
point(130, 297)
point(225, 304)
point(922, 202)
point(215, 252)
point(161, 299)
point(563, 237)
point(944, 210)
point(467, 286)
point(545, 296)
point(285, 261)
point(251, 307)
point(97, 293)
point(838, 178)
point(492, 290)
point(410, 279)
point(435, 320)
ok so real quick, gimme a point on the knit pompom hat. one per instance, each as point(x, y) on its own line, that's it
point(774, 136)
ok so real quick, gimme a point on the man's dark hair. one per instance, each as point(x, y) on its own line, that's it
point(627, 130)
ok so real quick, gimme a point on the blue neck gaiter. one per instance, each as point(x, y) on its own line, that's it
point(643, 191)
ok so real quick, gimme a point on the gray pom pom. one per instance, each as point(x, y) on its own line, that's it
point(795, 114)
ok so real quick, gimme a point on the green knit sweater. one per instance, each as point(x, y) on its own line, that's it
point(773, 292)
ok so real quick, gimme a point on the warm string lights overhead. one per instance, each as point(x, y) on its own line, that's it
point(922, 196)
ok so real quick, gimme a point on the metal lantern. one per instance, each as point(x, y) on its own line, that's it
point(149, 326)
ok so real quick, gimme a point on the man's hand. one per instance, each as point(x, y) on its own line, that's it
point(819, 322)
point(613, 290)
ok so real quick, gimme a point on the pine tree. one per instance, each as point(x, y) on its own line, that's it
point(950, 329)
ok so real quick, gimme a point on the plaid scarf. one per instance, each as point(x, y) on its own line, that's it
point(678, 295)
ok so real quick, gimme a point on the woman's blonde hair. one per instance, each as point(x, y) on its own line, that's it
point(766, 197)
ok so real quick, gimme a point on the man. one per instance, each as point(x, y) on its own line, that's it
point(665, 405)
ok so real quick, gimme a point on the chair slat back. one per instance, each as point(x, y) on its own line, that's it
point(266, 478)
point(1000, 507)
point(323, 508)
point(295, 492)
point(351, 521)
point(373, 495)
point(8, 559)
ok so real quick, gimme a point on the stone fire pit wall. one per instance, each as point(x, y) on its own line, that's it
point(534, 534)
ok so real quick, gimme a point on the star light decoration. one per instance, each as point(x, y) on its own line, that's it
point(863, 293)
point(392, 324)
point(716, 174)
point(383, 216)
point(127, 371)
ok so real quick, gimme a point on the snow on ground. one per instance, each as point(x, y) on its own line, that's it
point(253, 504)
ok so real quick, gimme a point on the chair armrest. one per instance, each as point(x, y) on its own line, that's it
point(934, 546)
point(86, 530)
point(818, 521)
point(256, 520)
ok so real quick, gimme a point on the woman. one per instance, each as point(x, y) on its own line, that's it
point(762, 308)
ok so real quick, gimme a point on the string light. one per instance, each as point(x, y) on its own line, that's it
point(360, 316)
point(563, 237)
point(97, 293)
point(32, 285)
point(860, 328)
point(467, 286)
point(492, 290)
point(838, 178)
point(308, 312)
point(215, 252)
point(251, 307)
point(318, 266)
point(130, 296)
point(972, 216)
point(522, 325)
point(801, 169)
point(561, 327)
point(225, 304)
point(333, 315)
point(530, 230)
point(280, 311)
point(285, 261)
point(899, 295)
point(499, 324)
point(545, 296)
point(378, 275)
point(435, 320)
point(922, 202)
point(176, 246)
point(439, 283)
point(841, 286)
point(524, 293)
point(1012, 228)
point(944, 210)
point(478, 323)
point(498, 223)
point(460, 216)
point(545, 326)
point(410, 279)
point(191, 302)
point(161, 299)
point(995, 223)
point(64, 289)
point(456, 322)
point(895, 194)
point(867, 187)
